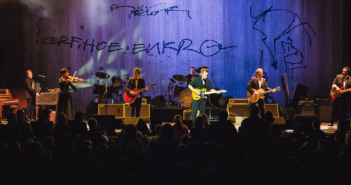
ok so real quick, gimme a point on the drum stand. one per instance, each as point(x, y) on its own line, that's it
point(169, 93)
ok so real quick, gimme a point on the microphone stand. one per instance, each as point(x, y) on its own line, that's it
point(214, 80)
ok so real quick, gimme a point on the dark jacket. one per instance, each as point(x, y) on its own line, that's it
point(131, 84)
point(339, 81)
point(254, 85)
point(30, 92)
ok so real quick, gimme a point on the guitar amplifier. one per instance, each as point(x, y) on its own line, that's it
point(238, 110)
point(118, 110)
point(238, 100)
point(272, 108)
point(144, 111)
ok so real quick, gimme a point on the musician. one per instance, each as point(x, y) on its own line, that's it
point(340, 103)
point(30, 95)
point(190, 76)
point(64, 102)
point(139, 83)
point(200, 82)
point(256, 83)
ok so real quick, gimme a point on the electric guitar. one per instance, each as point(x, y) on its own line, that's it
point(203, 93)
point(130, 98)
point(253, 98)
point(336, 94)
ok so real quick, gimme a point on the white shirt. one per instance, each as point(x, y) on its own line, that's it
point(260, 82)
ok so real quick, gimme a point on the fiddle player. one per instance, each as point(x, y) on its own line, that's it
point(30, 95)
point(64, 102)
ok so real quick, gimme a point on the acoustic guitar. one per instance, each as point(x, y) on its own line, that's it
point(203, 93)
point(253, 98)
point(130, 98)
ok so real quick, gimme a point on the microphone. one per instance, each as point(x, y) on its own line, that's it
point(42, 76)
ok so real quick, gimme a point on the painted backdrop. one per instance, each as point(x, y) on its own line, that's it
point(302, 39)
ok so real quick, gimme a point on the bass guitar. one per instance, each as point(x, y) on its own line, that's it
point(336, 94)
point(253, 98)
point(203, 93)
point(130, 98)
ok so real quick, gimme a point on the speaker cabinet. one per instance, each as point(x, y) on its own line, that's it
point(272, 108)
point(238, 100)
point(144, 111)
point(118, 110)
point(238, 110)
point(308, 109)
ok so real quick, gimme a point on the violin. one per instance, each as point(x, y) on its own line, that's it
point(75, 79)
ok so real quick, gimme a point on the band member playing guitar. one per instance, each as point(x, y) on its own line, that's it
point(341, 81)
point(200, 82)
point(139, 83)
point(255, 84)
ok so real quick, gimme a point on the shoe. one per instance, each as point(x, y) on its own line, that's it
point(330, 124)
point(33, 120)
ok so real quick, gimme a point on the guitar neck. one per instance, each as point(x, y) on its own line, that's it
point(344, 91)
point(143, 89)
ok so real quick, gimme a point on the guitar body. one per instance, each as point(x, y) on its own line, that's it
point(202, 94)
point(253, 98)
point(128, 98)
point(335, 94)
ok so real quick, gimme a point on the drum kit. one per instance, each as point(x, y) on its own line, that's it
point(112, 94)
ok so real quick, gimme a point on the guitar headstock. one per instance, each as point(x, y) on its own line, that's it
point(285, 75)
point(278, 88)
point(153, 84)
point(223, 91)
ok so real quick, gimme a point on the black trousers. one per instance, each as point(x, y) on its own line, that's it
point(197, 105)
point(30, 108)
point(135, 106)
point(260, 105)
point(339, 107)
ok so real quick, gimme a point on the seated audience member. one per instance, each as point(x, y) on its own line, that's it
point(24, 127)
point(253, 123)
point(130, 140)
point(10, 132)
point(44, 127)
point(157, 134)
point(61, 126)
point(223, 131)
point(179, 128)
point(78, 126)
point(95, 137)
point(315, 134)
point(298, 132)
point(167, 138)
point(206, 121)
point(199, 133)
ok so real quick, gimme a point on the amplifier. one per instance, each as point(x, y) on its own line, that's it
point(238, 109)
point(144, 110)
point(272, 108)
point(325, 108)
point(238, 100)
point(46, 99)
point(118, 110)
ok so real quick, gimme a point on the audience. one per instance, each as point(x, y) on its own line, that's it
point(78, 126)
point(130, 141)
point(218, 155)
point(179, 128)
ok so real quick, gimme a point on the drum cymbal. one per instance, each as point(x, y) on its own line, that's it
point(172, 80)
point(199, 69)
point(102, 75)
point(180, 78)
point(116, 82)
